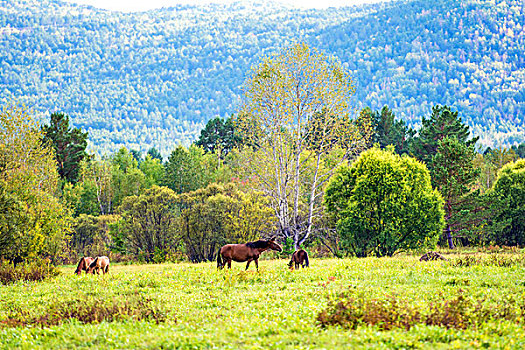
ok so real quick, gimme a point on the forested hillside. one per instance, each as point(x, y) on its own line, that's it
point(155, 78)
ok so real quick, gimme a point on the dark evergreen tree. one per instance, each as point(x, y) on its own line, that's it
point(519, 150)
point(442, 123)
point(452, 174)
point(137, 155)
point(389, 131)
point(219, 136)
point(155, 154)
point(69, 145)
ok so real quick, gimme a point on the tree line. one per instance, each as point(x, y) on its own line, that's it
point(294, 162)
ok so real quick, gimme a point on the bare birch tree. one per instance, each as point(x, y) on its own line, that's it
point(296, 117)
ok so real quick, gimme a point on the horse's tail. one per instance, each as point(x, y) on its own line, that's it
point(306, 261)
point(219, 260)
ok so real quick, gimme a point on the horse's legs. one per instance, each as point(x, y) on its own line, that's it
point(229, 264)
point(257, 264)
point(296, 265)
point(247, 264)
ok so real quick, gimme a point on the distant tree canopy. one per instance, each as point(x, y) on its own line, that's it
point(384, 203)
point(69, 145)
point(162, 90)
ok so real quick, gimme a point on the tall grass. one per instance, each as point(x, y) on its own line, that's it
point(33, 271)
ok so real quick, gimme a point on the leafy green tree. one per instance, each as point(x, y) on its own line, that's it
point(217, 215)
point(126, 178)
point(69, 145)
point(508, 203)
point(96, 177)
point(150, 223)
point(296, 118)
point(36, 221)
point(489, 163)
point(188, 169)
point(90, 235)
point(442, 123)
point(137, 155)
point(81, 198)
point(453, 173)
point(13, 222)
point(153, 171)
point(384, 203)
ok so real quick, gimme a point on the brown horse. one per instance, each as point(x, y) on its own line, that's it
point(83, 264)
point(245, 252)
point(100, 263)
point(299, 257)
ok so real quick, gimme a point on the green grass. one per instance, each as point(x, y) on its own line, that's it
point(273, 308)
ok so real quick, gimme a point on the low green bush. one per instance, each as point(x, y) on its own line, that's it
point(351, 309)
point(89, 310)
point(34, 271)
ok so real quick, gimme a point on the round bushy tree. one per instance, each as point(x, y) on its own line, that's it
point(508, 203)
point(384, 203)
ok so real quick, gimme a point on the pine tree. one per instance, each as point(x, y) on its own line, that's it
point(69, 145)
point(442, 123)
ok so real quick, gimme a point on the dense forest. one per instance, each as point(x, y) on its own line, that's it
point(155, 78)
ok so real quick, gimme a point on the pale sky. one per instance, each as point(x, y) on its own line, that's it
point(143, 5)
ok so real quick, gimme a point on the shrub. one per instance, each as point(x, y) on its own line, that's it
point(500, 260)
point(350, 310)
point(35, 271)
point(90, 310)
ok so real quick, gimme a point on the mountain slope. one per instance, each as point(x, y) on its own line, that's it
point(154, 78)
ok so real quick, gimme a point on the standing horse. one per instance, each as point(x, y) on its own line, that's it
point(100, 263)
point(83, 264)
point(245, 252)
point(299, 257)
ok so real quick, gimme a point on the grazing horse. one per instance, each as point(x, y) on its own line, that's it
point(83, 264)
point(245, 252)
point(100, 263)
point(299, 257)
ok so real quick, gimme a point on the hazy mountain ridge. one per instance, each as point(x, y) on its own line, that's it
point(154, 78)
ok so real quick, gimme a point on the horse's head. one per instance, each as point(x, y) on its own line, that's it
point(274, 245)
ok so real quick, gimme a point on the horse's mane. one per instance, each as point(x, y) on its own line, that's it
point(258, 244)
point(94, 262)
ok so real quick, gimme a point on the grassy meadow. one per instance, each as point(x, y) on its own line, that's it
point(194, 306)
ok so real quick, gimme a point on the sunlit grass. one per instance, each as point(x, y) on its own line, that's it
point(271, 308)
